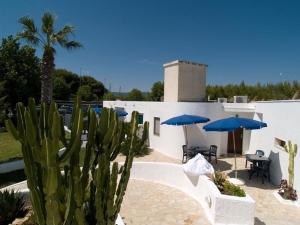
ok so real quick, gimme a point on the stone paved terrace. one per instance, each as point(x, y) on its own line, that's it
point(155, 204)
point(268, 210)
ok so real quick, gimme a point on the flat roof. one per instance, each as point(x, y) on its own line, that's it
point(183, 62)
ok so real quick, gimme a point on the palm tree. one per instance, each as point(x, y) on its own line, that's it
point(47, 38)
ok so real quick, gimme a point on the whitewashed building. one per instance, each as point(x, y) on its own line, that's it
point(185, 84)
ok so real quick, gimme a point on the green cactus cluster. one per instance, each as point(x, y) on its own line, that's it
point(61, 191)
point(292, 151)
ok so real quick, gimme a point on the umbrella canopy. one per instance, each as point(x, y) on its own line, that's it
point(233, 123)
point(185, 120)
point(119, 112)
point(97, 110)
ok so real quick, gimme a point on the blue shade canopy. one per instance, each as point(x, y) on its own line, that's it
point(185, 120)
point(97, 110)
point(233, 123)
point(119, 112)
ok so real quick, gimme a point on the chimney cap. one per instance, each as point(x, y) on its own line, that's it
point(176, 62)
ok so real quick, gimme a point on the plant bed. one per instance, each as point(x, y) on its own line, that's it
point(286, 194)
point(26, 217)
point(12, 205)
point(226, 187)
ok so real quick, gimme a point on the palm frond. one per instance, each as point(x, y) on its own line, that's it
point(28, 24)
point(62, 36)
point(67, 29)
point(29, 37)
point(48, 20)
point(70, 45)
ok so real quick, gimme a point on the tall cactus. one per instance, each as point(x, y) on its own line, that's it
point(89, 195)
point(292, 150)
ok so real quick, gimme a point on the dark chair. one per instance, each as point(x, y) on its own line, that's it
point(186, 154)
point(262, 169)
point(212, 152)
point(258, 152)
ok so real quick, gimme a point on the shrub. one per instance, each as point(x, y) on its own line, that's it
point(12, 206)
point(234, 190)
point(225, 187)
point(219, 179)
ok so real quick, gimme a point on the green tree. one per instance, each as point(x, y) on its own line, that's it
point(74, 81)
point(48, 38)
point(269, 91)
point(85, 92)
point(135, 95)
point(109, 97)
point(157, 91)
point(61, 90)
point(19, 74)
point(97, 87)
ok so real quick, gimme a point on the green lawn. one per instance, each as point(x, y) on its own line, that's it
point(9, 148)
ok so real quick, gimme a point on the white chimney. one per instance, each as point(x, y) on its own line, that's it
point(184, 81)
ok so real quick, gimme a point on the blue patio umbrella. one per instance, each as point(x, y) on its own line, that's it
point(97, 110)
point(185, 120)
point(231, 124)
point(120, 112)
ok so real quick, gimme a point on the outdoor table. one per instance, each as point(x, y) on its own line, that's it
point(255, 159)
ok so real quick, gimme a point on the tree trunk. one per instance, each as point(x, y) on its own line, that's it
point(46, 76)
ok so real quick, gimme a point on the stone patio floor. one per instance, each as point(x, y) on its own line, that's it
point(152, 203)
point(155, 204)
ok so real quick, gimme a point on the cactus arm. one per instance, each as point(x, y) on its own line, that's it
point(89, 147)
point(12, 129)
point(75, 137)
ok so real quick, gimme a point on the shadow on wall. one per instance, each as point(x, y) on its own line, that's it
point(275, 168)
point(196, 135)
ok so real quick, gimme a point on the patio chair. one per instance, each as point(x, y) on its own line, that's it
point(186, 154)
point(263, 169)
point(258, 152)
point(212, 152)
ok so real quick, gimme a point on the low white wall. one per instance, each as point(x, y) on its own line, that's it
point(220, 209)
point(11, 166)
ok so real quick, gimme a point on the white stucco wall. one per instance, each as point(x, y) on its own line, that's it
point(282, 117)
point(171, 138)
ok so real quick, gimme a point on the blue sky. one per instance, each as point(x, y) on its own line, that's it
point(127, 41)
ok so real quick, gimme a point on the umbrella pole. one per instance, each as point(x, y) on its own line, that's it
point(234, 150)
point(185, 135)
